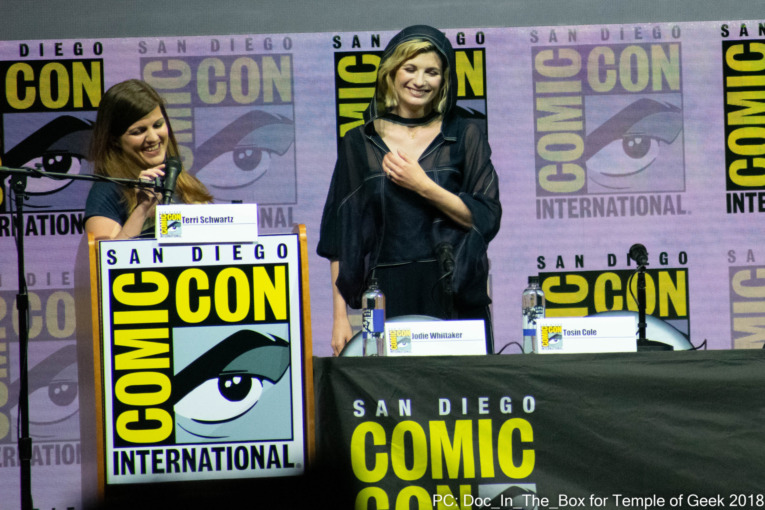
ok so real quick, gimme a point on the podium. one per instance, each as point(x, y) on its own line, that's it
point(203, 362)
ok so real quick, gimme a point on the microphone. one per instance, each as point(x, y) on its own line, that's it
point(639, 254)
point(173, 168)
point(445, 257)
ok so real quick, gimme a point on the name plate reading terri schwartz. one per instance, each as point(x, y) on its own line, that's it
point(207, 223)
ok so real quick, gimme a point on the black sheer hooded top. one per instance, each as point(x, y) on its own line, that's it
point(369, 222)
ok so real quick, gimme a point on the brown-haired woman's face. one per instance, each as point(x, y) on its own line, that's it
point(417, 83)
point(146, 139)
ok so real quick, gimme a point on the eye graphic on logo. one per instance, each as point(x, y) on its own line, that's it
point(228, 380)
point(225, 398)
point(53, 392)
point(638, 140)
point(60, 146)
point(242, 152)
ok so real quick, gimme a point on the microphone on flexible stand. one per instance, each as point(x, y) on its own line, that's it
point(639, 254)
point(173, 168)
point(445, 256)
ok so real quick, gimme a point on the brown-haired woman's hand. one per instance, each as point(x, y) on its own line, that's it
point(147, 198)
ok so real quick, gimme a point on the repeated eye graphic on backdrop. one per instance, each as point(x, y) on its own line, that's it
point(602, 136)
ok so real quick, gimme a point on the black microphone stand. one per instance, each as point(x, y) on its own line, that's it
point(643, 344)
point(19, 187)
point(18, 184)
point(445, 258)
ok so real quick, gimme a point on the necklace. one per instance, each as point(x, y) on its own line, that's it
point(411, 123)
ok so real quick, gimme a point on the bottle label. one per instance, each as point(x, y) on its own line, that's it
point(530, 316)
point(373, 321)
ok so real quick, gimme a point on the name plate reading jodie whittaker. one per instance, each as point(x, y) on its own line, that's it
point(433, 338)
point(207, 223)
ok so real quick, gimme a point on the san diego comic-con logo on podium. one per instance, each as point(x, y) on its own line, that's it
point(202, 360)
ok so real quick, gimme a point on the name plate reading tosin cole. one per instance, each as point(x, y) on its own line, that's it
point(586, 334)
point(207, 223)
point(434, 338)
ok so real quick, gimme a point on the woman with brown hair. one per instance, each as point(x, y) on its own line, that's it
point(132, 139)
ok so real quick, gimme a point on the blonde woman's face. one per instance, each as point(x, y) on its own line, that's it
point(146, 140)
point(417, 83)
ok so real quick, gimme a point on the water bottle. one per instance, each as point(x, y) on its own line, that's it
point(373, 321)
point(533, 308)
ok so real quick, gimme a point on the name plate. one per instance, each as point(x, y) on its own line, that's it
point(433, 338)
point(207, 223)
point(586, 334)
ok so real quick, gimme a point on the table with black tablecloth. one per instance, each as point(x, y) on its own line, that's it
point(646, 430)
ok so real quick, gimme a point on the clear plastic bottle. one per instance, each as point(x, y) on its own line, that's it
point(533, 308)
point(373, 321)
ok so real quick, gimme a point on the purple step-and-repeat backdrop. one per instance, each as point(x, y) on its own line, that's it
point(602, 136)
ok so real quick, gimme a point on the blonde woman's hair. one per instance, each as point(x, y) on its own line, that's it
point(386, 92)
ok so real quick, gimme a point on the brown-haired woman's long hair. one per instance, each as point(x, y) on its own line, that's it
point(121, 106)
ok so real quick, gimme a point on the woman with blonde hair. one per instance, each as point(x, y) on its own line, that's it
point(414, 198)
point(132, 139)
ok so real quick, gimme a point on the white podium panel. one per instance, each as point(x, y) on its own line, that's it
point(202, 360)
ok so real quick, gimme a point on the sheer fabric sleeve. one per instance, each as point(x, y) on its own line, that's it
point(480, 193)
point(347, 230)
point(480, 186)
